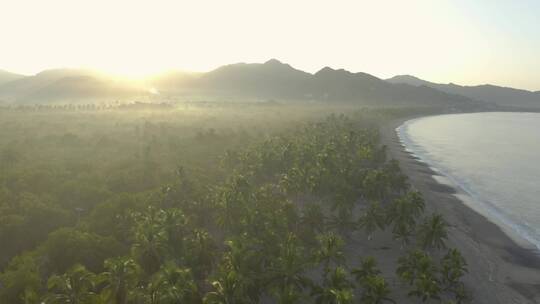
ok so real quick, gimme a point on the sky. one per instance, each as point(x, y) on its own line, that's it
point(460, 41)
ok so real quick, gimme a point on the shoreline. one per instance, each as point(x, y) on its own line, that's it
point(500, 270)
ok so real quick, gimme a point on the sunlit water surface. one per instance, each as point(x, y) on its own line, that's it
point(492, 157)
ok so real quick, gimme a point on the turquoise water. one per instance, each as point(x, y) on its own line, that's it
point(493, 158)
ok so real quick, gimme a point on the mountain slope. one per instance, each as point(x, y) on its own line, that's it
point(6, 77)
point(64, 85)
point(500, 95)
point(342, 85)
point(271, 79)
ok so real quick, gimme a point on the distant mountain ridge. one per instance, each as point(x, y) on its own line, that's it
point(6, 76)
point(272, 80)
point(503, 96)
point(66, 85)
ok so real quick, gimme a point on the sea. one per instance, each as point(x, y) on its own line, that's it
point(492, 159)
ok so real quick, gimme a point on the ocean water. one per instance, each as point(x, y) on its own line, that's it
point(492, 158)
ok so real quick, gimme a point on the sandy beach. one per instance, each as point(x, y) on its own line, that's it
point(500, 271)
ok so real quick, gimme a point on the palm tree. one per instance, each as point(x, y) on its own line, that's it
point(150, 244)
point(375, 290)
point(432, 233)
point(418, 269)
point(396, 179)
point(227, 291)
point(231, 202)
point(372, 219)
point(287, 273)
point(172, 284)
point(241, 274)
point(343, 221)
point(200, 253)
point(175, 225)
point(336, 288)
point(30, 296)
point(330, 251)
point(414, 263)
point(314, 217)
point(74, 287)
point(426, 287)
point(368, 267)
point(375, 185)
point(453, 268)
point(416, 203)
point(402, 215)
point(120, 277)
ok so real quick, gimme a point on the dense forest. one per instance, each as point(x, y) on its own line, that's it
point(214, 204)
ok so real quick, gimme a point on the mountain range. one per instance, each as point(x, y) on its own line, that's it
point(6, 77)
point(65, 85)
point(272, 80)
point(500, 95)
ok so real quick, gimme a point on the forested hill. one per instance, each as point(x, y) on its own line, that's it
point(272, 80)
point(503, 96)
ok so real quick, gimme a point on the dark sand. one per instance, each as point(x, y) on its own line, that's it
point(500, 271)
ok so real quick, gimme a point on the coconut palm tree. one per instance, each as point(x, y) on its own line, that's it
point(330, 251)
point(150, 240)
point(172, 284)
point(287, 272)
point(402, 214)
point(227, 290)
point(432, 233)
point(426, 287)
point(453, 268)
point(343, 221)
point(375, 290)
point(372, 218)
point(200, 253)
point(375, 186)
point(241, 275)
point(417, 268)
point(121, 276)
point(76, 286)
point(367, 268)
point(416, 203)
point(314, 217)
point(336, 288)
point(175, 226)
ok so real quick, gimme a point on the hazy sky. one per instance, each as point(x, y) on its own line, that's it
point(463, 41)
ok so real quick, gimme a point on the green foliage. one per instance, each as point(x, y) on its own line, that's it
point(419, 270)
point(119, 280)
point(20, 279)
point(330, 251)
point(403, 214)
point(141, 208)
point(172, 284)
point(375, 289)
point(374, 217)
point(67, 246)
point(432, 280)
point(336, 288)
point(432, 232)
point(74, 287)
point(453, 268)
